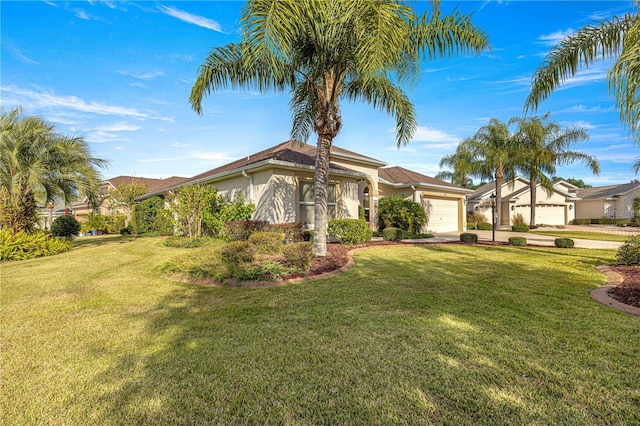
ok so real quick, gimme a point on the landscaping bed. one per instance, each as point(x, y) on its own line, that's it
point(629, 291)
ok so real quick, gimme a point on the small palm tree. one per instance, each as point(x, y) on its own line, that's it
point(493, 150)
point(543, 145)
point(323, 52)
point(39, 165)
point(613, 38)
point(462, 164)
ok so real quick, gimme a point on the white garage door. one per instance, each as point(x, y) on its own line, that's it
point(442, 214)
point(547, 214)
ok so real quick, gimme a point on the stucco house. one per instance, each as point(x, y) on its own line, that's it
point(279, 181)
point(557, 207)
point(613, 201)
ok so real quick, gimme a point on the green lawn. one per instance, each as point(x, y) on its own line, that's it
point(444, 334)
point(583, 235)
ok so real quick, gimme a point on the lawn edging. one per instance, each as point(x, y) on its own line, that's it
point(601, 294)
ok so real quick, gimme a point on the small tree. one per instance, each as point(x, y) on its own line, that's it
point(124, 197)
point(150, 217)
point(397, 212)
point(65, 226)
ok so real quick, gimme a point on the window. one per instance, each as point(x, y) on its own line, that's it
point(365, 203)
point(306, 202)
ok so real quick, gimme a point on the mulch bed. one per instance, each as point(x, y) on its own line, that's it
point(629, 291)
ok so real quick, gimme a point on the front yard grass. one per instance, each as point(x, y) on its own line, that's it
point(446, 334)
point(583, 235)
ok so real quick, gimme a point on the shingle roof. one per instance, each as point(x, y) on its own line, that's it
point(291, 152)
point(602, 192)
point(153, 184)
point(400, 175)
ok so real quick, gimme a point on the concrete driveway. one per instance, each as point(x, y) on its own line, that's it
point(540, 240)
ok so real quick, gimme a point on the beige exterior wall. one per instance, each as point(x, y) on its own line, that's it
point(589, 209)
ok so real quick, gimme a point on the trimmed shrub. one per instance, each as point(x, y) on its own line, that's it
point(392, 234)
point(22, 245)
point(408, 236)
point(293, 231)
point(521, 227)
point(629, 252)
point(240, 230)
point(151, 218)
point(563, 242)
point(267, 242)
point(518, 219)
point(298, 255)
point(65, 226)
point(581, 221)
point(469, 237)
point(397, 212)
point(484, 226)
point(349, 231)
point(517, 241)
point(236, 253)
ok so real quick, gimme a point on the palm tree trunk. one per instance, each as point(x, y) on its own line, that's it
point(320, 195)
point(532, 189)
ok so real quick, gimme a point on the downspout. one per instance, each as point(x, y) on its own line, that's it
point(416, 194)
point(250, 177)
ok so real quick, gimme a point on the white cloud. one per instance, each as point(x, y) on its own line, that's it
point(190, 18)
point(554, 38)
point(20, 54)
point(207, 157)
point(429, 134)
point(149, 75)
point(119, 127)
point(45, 99)
point(584, 108)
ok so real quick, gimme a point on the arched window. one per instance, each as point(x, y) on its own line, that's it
point(365, 203)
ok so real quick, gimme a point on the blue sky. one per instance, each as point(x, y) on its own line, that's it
point(120, 73)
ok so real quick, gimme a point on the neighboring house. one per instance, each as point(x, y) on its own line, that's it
point(443, 202)
point(614, 201)
point(555, 208)
point(279, 181)
point(82, 209)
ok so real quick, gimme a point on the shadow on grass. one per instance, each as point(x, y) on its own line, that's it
point(431, 334)
point(101, 240)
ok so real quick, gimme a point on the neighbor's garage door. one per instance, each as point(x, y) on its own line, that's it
point(442, 214)
point(545, 214)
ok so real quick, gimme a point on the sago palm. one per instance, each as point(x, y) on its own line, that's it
point(619, 38)
point(543, 145)
point(39, 165)
point(325, 51)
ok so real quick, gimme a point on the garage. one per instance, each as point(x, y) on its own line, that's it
point(442, 214)
point(546, 214)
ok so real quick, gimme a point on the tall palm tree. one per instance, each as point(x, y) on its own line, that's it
point(612, 38)
point(543, 145)
point(39, 165)
point(462, 164)
point(494, 150)
point(325, 51)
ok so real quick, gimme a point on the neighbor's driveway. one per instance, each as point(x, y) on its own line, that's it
point(542, 240)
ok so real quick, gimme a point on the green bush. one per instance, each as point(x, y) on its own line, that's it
point(349, 231)
point(474, 218)
point(397, 212)
point(298, 255)
point(408, 236)
point(581, 221)
point(392, 234)
point(267, 242)
point(151, 218)
point(469, 237)
point(517, 241)
point(294, 232)
point(484, 226)
point(22, 245)
point(518, 219)
point(563, 243)
point(521, 227)
point(629, 252)
point(240, 230)
point(65, 226)
point(236, 255)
